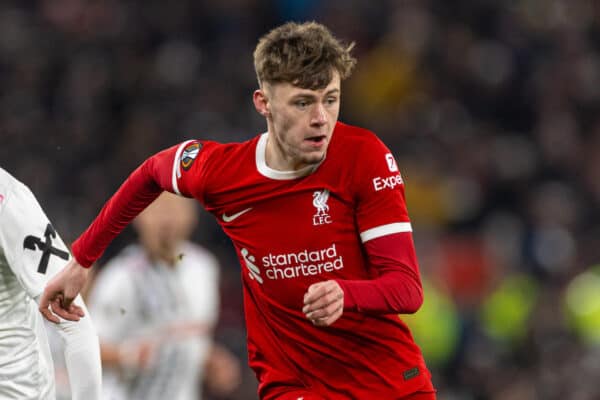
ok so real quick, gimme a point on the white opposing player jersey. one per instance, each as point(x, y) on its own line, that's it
point(30, 252)
point(136, 298)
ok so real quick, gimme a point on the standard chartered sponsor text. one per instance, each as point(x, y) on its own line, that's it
point(302, 263)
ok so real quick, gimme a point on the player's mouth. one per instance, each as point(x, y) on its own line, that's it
point(316, 141)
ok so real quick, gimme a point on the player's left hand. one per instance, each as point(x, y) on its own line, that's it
point(61, 290)
point(324, 303)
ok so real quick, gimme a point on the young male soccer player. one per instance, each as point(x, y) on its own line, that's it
point(30, 252)
point(315, 209)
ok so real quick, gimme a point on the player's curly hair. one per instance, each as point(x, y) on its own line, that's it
point(304, 55)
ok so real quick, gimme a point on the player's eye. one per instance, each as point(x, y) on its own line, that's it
point(301, 104)
point(331, 100)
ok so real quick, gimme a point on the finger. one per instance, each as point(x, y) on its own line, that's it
point(313, 312)
point(325, 311)
point(75, 309)
point(315, 286)
point(324, 301)
point(315, 291)
point(57, 309)
point(319, 289)
point(49, 315)
point(330, 319)
point(68, 305)
point(44, 308)
point(44, 301)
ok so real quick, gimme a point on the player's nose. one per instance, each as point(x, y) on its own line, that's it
point(319, 115)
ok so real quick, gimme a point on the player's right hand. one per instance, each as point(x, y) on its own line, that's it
point(324, 302)
point(61, 290)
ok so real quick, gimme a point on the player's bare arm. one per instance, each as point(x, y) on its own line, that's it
point(60, 292)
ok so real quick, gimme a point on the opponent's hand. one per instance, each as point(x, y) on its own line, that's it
point(60, 292)
point(223, 372)
point(138, 354)
point(324, 303)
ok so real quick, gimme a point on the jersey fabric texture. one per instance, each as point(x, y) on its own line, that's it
point(31, 252)
point(290, 230)
point(175, 306)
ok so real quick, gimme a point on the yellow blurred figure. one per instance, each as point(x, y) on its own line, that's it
point(436, 326)
point(582, 305)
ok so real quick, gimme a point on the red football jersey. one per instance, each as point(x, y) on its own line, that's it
point(290, 230)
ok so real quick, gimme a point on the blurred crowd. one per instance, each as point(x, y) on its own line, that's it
point(491, 108)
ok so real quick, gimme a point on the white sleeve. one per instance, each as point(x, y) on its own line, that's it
point(33, 249)
point(82, 355)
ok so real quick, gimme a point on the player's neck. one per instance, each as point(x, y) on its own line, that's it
point(167, 259)
point(278, 159)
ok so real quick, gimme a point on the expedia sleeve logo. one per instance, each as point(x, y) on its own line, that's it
point(391, 162)
point(189, 154)
point(388, 182)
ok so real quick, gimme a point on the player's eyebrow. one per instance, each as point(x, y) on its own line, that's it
point(312, 95)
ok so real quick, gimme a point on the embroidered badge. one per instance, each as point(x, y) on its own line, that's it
point(189, 154)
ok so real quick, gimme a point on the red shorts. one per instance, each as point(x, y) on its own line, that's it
point(427, 392)
point(299, 395)
point(420, 396)
point(304, 395)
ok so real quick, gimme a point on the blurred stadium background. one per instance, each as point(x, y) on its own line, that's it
point(491, 108)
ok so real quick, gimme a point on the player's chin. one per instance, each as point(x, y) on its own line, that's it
point(312, 154)
point(313, 157)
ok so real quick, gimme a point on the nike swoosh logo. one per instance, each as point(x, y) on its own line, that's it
point(229, 218)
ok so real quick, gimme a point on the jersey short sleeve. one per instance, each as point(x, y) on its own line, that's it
point(381, 208)
point(32, 247)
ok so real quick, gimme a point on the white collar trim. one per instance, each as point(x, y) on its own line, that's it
point(265, 170)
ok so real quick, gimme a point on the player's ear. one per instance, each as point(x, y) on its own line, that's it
point(261, 102)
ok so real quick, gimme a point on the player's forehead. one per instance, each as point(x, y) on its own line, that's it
point(287, 89)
